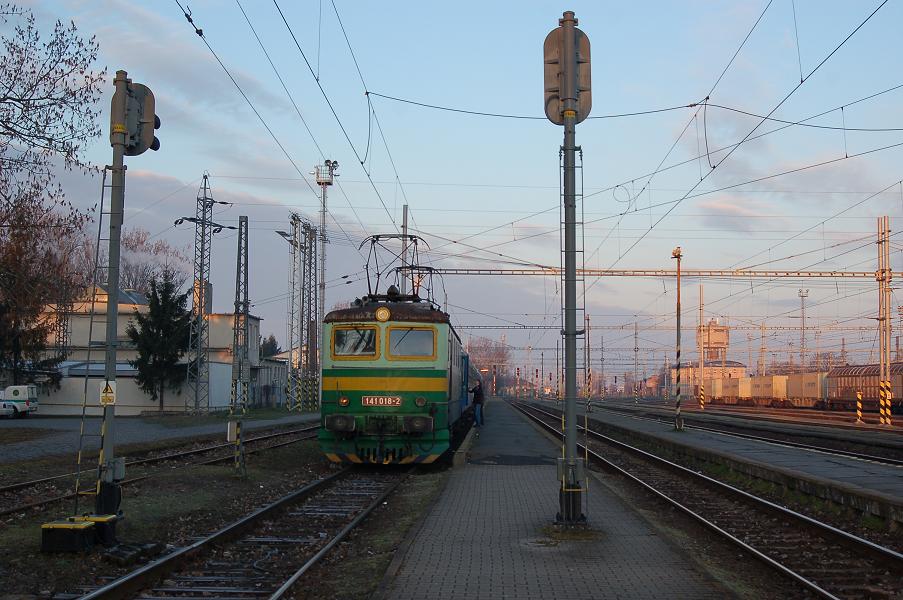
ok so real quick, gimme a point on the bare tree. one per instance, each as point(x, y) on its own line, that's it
point(484, 353)
point(48, 98)
point(144, 259)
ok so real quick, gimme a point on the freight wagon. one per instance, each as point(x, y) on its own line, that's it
point(737, 390)
point(844, 382)
point(806, 390)
point(769, 390)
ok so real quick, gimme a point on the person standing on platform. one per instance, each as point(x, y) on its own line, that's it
point(478, 404)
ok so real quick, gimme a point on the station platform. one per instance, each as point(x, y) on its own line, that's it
point(489, 535)
point(869, 486)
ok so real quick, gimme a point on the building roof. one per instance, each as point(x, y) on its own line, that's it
point(78, 368)
point(712, 364)
point(126, 296)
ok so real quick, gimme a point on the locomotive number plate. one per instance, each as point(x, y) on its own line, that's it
point(381, 400)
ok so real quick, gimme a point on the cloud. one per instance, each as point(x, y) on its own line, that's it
point(734, 213)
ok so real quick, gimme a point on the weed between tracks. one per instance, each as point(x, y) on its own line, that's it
point(172, 508)
point(255, 414)
point(354, 569)
point(25, 434)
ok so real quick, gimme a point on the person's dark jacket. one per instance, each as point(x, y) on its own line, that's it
point(478, 393)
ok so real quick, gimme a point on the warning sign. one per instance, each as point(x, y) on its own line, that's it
point(108, 393)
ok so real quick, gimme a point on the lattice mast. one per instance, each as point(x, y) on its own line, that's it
point(311, 302)
point(293, 387)
point(302, 389)
point(241, 364)
point(199, 341)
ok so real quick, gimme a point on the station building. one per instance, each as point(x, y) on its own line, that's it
point(83, 369)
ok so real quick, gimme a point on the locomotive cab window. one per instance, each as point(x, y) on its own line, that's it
point(412, 342)
point(354, 342)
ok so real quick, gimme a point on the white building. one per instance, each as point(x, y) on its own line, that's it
point(83, 370)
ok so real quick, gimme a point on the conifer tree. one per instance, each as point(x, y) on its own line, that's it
point(161, 338)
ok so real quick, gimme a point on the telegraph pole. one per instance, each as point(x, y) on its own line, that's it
point(568, 100)
point(803, 294)
point(602, 363)
point(678, 418)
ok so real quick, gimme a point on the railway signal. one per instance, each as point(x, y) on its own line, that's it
point(132, 125)
point(568, 100)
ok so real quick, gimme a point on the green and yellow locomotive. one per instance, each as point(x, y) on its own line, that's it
point(394, 382)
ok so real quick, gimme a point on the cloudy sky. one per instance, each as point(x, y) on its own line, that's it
point(483, 190)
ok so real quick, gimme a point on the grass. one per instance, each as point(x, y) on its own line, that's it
point(25, 434)
point(205, 497)
point(180, 420)
point(373, 547)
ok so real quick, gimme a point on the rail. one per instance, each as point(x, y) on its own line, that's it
point(889, 562)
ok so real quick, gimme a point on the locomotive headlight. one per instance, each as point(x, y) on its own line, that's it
point(420, 401)
point(343, 401)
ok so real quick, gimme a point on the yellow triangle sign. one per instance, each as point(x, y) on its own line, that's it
point(107, 389)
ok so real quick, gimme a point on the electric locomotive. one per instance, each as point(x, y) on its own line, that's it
point(395, 382)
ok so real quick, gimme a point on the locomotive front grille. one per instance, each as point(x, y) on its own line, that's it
point(381, 424)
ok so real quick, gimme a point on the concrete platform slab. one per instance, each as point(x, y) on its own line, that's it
point(489, 535)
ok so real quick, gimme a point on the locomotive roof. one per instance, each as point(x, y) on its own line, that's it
point(419, 312)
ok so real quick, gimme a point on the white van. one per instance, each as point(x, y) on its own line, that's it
point(22, 398)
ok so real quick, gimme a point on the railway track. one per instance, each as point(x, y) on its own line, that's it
point(265, 553)
point(827, 561)
point(887, 460)
point(7, 492)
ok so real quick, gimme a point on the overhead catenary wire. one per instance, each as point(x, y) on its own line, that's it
point(200, 34)
point(334, 113)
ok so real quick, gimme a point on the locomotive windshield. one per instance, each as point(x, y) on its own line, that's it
point(411, 342)
point(354, 341)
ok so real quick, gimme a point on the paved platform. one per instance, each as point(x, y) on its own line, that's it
point(129, 430)
point(856, 473)
point(487, 536)
point(792, 420)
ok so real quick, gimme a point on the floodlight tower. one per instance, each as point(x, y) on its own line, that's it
point(325, 175)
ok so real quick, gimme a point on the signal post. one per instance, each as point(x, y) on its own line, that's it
point(132, 126)
point(568, 100)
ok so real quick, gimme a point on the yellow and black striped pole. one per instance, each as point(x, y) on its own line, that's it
point(888, 401)
point(859, 407)
point(701, 396)
point(678, 418)
point(881, 401)
point(238, 450)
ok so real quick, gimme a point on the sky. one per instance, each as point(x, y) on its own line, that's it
point(483, 191)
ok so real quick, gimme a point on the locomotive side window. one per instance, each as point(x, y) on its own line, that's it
point(412, 342)
point(354, 342)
